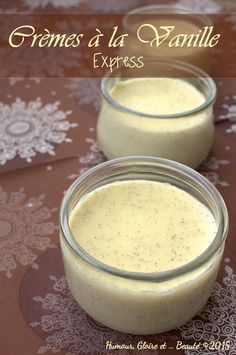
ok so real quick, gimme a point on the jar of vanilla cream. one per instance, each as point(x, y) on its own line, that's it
point(168, 114)
point(142, 240)
point(152, 28)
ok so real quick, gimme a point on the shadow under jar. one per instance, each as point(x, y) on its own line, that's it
point(168, 114)
point(146, 301)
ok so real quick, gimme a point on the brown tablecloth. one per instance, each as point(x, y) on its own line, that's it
point(38, 315)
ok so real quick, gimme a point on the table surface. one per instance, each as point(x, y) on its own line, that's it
point(47, 139)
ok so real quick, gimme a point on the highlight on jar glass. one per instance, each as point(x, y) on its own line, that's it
point(142, 240)
point(168, 114)
point(169, 31)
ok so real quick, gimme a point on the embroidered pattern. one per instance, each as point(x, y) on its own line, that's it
point(23, 229)
point(215, 179)
point(30, 128)
point(97, 5)
point(67, 327)
point(55, 3)
point(67, 318)
point(71, 328)
point(230, 109)
point(14, 81)
point(216, 322)
point(86, 92)
point(108, 5)
point(214, 164)
point(38, 62)
point(229, 112)
point(94, 157)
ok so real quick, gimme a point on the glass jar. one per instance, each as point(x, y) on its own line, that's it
point(185, 137)
point(184, 21)
point(134, 302)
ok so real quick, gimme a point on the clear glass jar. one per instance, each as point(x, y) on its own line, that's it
point(184, 137)
point(142, 303)
point(183, 19)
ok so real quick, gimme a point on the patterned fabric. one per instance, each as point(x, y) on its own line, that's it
point(216, 322)
point(47, 140)
point(24, 226)
point(65, 326)
point(28, 231)
point(30, 128)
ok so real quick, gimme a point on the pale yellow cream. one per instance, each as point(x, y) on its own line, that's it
point(186, 139)
point(142, 226)
point(157, 96)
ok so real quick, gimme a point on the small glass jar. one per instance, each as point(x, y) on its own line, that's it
point(185, 137)
point(142, 303)
point(184, 20)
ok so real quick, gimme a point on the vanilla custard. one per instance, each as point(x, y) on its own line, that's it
point(157, 96)
point(142, 226)
point(125, 127)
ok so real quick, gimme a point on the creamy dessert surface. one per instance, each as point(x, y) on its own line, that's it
point(142, 226)
point(157, 96)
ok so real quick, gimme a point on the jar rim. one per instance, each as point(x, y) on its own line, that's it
point(164, 9)
point(189, 68)
point(173, 167)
